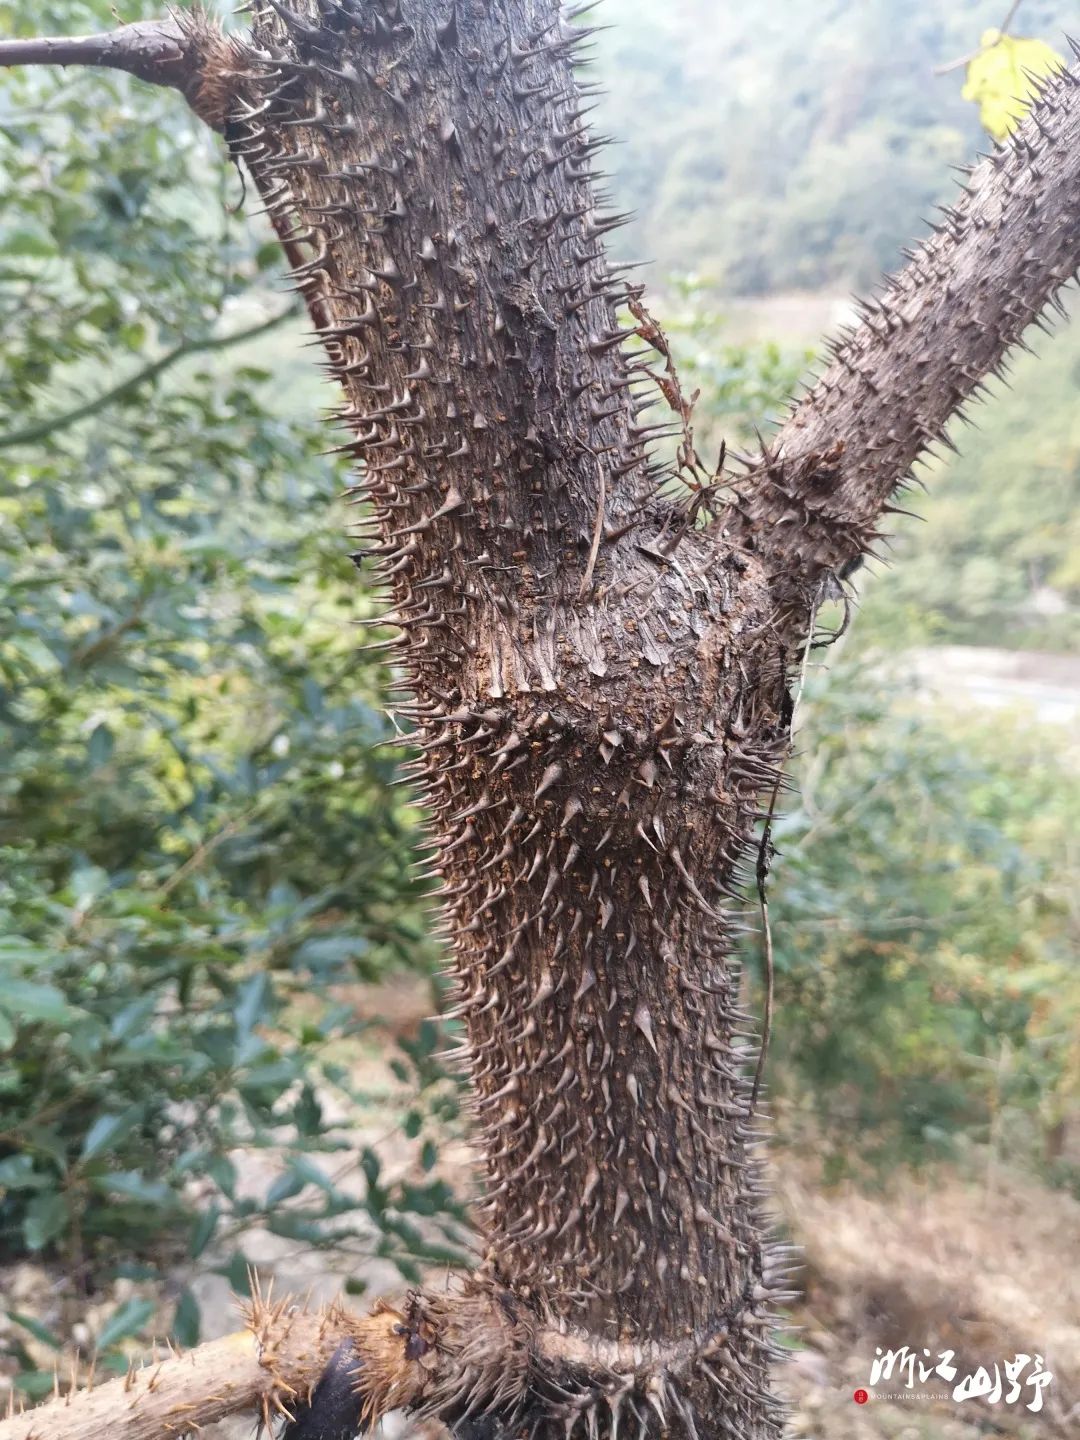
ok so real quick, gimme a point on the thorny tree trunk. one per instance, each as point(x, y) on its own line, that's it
point(597, 707)
point(599, 680)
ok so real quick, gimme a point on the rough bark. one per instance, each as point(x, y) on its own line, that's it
point(599, 686)
point(596, 711)
point(186, 52)
point(270, 1367)
point(924, 346)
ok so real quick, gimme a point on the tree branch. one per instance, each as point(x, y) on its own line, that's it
point(473, 1354)
point(812, 504)
point(187, 52)
point(274, 1363)
point(41, 429)
point(1003, 30)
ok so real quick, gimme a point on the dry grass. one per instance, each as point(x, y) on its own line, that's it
point(942, 1262)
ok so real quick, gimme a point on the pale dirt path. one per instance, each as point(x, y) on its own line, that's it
point(1036, 683)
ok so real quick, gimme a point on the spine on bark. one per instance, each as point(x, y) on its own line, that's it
point(599, 682)
point(576, 681)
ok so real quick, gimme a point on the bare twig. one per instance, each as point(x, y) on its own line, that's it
point(199, 857)
point(1003, 30)
point(98, 644)
point(189, 53)
point(31, 434)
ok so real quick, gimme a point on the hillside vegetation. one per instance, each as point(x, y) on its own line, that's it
point(793, 144)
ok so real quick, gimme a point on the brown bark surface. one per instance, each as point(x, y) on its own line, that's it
point(264, 1370)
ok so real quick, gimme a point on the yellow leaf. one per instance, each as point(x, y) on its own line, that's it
point(1004, 78)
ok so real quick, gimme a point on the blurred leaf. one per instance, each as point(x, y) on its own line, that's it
point(286, 1185)
point(252, 1005)
point(307, 1112)
point(36, 1384)
point(36, 1328)
point(17, 1173)
point(27, 241)
point(26, 1002)
point(236, 1271)
point(107, 1131)
point(126, 1320)
point(130, 1185)
point(102, 744)
point(187, 1322)
point(1004, 78)
point(45, 1217)
point(202, 1230)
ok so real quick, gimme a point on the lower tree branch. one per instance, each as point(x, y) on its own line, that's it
point(474, 1354)
point(187, 52)
point(265, 1368)
point(945, 322)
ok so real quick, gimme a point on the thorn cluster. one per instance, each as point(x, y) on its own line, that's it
point(597, 691)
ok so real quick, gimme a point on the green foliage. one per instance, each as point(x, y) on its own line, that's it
point(925, 931)
point(997, 561)
point(201, 851)
point(774, 147)
point(739, 386)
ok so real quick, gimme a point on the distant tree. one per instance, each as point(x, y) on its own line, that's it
point(601, 649)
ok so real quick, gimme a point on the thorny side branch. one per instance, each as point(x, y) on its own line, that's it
point(922, 350)
point(186, 52)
